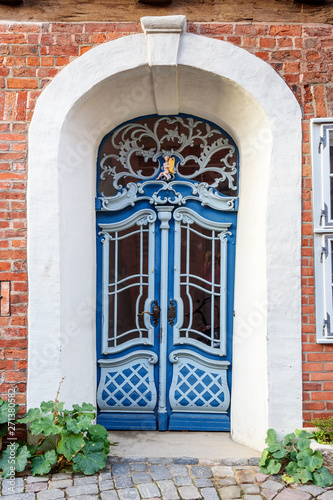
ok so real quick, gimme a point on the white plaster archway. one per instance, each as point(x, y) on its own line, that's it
point(166, 71)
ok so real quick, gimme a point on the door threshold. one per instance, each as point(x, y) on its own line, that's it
point(210, 445)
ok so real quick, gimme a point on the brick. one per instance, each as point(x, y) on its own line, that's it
point(322, 396)
point(22, 83)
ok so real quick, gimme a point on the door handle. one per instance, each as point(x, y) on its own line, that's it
point(155, 314)
point(171, 312)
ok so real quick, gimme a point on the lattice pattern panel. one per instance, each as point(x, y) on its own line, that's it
point(198, 385)
point(127, 385)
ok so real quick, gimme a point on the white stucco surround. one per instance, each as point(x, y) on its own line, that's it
point(166, 71)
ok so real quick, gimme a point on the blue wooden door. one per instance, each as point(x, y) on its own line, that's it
point(165, 279)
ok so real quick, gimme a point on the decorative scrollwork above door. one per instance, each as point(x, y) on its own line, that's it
point(131, 157)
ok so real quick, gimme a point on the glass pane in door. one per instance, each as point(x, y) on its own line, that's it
point(128, 285)
point(200, 285)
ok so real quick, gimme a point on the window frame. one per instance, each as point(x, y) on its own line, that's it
point(321, 139)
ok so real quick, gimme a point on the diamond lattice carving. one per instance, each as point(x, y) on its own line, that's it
point(128, 388)
point(198, 383)
point(127, 384)
point(191, 391)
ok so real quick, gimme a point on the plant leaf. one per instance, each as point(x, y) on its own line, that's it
point(287, 479)
point(314, 461)
point(271, 437)
point(97, 432)
point(303, 475)
point(302, 434)
point(91, 459)
point(86, 407)
point(21, 458)
point(47, 406)
point(5, 411)
point(14, 460)
point(272, 448)
point(42, 464)
point(273, 467)
point(264, 458)
point(70, 444)
point(32, 415)
point(292, 468)
point(280, 453)
point(303, 444)
point(323, 477)
point(46, 426)
point(82, 423)
point(289, 439)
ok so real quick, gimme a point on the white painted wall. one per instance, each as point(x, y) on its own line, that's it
point(168, 72)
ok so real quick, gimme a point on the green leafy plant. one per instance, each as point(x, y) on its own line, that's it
point(324, 432)
point(68, 441)
point(7, 414)
point(295, 459)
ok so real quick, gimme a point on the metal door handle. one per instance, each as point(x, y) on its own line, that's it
point(172, 312)
point(155, 314)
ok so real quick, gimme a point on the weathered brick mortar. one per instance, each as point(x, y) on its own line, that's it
point(32, 54)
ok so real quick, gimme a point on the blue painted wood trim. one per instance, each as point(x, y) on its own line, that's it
point(127, 421)
point(198, 422)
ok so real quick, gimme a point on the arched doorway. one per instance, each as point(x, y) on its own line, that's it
point(135, 76)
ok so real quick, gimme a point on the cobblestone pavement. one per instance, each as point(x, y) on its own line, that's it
point(136, 478)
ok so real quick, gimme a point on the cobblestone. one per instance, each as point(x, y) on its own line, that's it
point(182, 480)
point(159, 472)
point(62, 483)
point(35, 487)
point(109, 495)
point(168, 490)
point(50, 495)
point(135, 478)
point(106, 485)
point(222, 471)
point(120, 469)
point(123, 482)
point(178, 470)
point(141, 477)
point(186, 461)
point(78, 481)
point(149, 490)
point(129, 494)
point(139, 467)
point(85, 489)
point(250, 489)
point(189, 492)
point(10, 487)
point(199, 471)
point(203, 483)
point(272, 485)
point(326, 496)
point(289, 494)
point(209, 494)
point(229, 492)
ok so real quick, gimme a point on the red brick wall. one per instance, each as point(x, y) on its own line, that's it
point(32, 54)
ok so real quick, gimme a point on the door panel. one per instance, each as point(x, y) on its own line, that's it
point(165, 265)
point(174, 260)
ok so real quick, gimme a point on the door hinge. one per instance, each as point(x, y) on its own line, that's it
point(324, 251)
point(327, 326)
point(323, 213)
point(322, 142)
